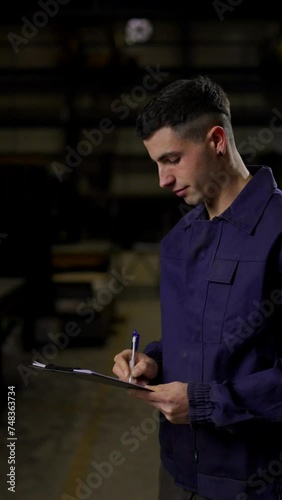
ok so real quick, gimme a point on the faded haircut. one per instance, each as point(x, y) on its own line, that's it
point(189, 107)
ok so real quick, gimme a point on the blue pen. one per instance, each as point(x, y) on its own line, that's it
point(134, 347)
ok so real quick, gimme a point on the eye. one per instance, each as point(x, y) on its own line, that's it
point(175, 161)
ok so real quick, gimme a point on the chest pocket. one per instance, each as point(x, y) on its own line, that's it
point(220, 281)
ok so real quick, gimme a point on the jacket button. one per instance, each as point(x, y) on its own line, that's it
point(196, 455)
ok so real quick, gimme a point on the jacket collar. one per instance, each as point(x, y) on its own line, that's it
point(247, 208)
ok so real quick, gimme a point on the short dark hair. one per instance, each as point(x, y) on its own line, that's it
point(183, 102)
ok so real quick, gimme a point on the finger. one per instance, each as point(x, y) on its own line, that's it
point(124, 355)
point(120, 373)
point(141, 368)
point(121, 363)
point(139, 381)
point(148, 396)
point(145, 366)
point(137, 395)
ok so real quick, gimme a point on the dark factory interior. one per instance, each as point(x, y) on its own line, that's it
point(82, 216)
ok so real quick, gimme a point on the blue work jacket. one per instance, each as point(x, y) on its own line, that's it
point(222, 334)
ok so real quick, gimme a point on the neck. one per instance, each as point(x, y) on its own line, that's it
point(231, 188)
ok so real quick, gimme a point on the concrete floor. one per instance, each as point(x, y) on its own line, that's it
point(79, 440)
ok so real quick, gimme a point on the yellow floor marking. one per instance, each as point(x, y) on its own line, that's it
point(81, 459)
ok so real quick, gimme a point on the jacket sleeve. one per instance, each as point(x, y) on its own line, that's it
point(154, 351)
point(257, 397)
point(254, 398)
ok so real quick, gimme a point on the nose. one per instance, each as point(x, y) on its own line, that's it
point(166, 179)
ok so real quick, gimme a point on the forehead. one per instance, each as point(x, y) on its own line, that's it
point(163, 142)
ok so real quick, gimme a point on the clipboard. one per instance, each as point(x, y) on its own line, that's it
point(85, 374)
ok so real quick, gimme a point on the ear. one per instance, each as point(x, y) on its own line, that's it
point(218, 139)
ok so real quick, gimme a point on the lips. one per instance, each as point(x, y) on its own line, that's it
point(181, 192)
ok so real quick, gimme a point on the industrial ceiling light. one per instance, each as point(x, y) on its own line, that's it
point(138, 31)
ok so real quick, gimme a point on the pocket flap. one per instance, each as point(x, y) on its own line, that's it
point(223, 270)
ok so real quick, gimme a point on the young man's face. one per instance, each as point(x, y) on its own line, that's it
point(185, 166)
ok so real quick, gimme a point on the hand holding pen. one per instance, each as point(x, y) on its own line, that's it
point(126, 361)
point(134, 348)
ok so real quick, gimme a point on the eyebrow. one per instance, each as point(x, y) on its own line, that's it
point(169, 154)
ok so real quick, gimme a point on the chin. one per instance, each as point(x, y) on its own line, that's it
point(193, 201)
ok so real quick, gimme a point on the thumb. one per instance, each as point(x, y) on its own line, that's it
point(136, 372)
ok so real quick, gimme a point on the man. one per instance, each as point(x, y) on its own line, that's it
point(216, 373)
